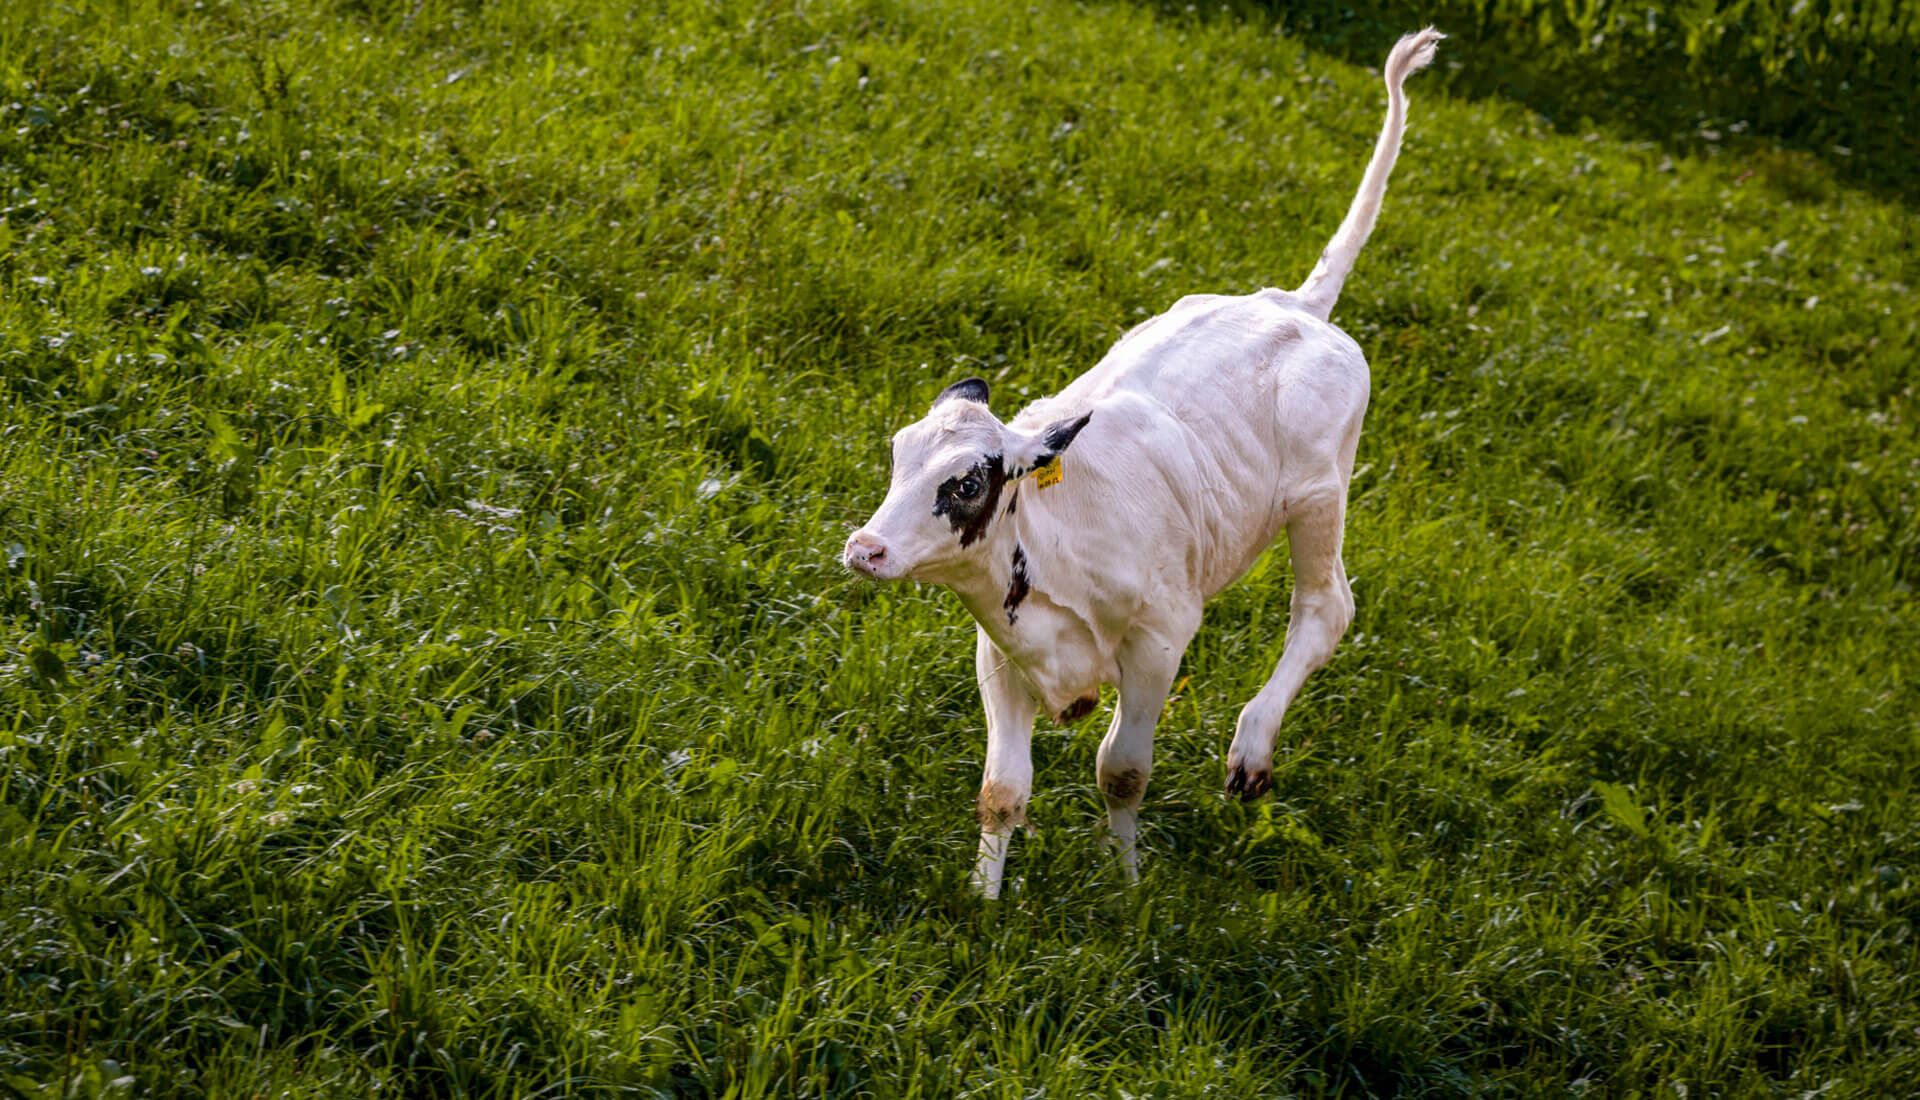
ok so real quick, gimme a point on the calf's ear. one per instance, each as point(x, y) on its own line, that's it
point(1027, 453)
point(967, 389)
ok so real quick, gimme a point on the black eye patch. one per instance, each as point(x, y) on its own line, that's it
point(970, 515)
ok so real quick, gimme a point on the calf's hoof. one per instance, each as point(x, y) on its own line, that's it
point(1247, 786)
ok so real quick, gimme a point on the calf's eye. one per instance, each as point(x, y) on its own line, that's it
point(970, 486)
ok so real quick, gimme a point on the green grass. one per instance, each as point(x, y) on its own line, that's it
point(426, 436)
point(1829, 79)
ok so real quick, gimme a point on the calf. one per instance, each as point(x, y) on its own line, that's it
point(1086, 534)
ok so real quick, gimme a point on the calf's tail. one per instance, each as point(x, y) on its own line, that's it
point(1411, 54)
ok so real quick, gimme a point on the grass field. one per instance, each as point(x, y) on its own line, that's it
point(427, 431)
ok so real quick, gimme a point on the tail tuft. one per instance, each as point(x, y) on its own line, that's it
point(1411, 54)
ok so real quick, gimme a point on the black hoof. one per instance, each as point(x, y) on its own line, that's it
point(1248, 787)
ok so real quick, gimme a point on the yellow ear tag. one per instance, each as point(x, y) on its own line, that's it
point(1048, 476)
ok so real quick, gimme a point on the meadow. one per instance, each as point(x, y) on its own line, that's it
point(428, 430)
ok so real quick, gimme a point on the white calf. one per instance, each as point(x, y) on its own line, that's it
point(1157, 478)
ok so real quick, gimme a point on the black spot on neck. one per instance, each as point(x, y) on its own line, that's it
point(970, 516)
point(1017, 588)
point(1013, 500)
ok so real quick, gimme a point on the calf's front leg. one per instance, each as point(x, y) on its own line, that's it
point(1148, 662)
point(1008, 778)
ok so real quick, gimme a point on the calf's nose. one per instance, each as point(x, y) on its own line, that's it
point(864, 553)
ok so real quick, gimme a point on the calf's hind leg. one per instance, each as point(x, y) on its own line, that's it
point(1322, 609)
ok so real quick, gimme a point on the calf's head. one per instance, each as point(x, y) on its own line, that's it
point(952, 476)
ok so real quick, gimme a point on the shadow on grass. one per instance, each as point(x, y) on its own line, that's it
point(1841, 93)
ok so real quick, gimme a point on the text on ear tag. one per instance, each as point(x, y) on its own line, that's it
point(1049, 475)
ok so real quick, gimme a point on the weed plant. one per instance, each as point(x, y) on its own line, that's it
point(427, 431)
